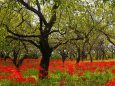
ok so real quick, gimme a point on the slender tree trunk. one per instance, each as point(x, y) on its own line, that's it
point(2, 54)
point(100, 55)
point(6, 56)
point(15, 55)
point(83, 55)
point(63, 55)
point(112, 54)
point(16, 61)
point(97, 55)
point(91, 59)
point(79, 55)
point(103, 54)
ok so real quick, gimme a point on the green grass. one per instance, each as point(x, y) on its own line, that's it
point(88, 79)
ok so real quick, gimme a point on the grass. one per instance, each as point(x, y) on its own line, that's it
point(57, 78)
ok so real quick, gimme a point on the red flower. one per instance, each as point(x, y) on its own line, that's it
point(2, 77)
point(62, 82)
point(16, 75)
point(80, 74)
point(39, 74)
point(30, 79)
point(71, 70)
point(39, 68)
point(113, 71)
point(111, 82)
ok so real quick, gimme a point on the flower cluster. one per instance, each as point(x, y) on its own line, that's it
point(10, 72)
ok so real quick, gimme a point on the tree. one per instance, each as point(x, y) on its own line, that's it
point(45, 26)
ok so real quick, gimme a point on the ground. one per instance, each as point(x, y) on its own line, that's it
point(97, 73)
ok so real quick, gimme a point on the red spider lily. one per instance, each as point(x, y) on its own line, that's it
point(30, 79)
point(61, 69)
point(62, 82)
point(100, 70)
point(55, 65)
point(42, 75)
point(39, 74)
point(52, 71)
point(6, 69)
point(93, 69)
point(16, 75)
point(39, 68)
point(3, 77)
point(111, 82)
point(80, 74)
point(113, 71)
point(71, 69)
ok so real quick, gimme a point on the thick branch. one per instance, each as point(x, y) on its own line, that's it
point(107, 35)
point(19, 35)
point(72, 39)
point(38, 12)
point(20, 22)
point(53, 17)
point(38, 5)
point(22, 39)
point(53, 31)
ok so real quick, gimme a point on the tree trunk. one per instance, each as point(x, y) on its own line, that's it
point(79, 55)
point(113, 52)
point(63, 55)
point(46, 54)
point(103, 54)
point(91, 59)
point(44, 64)
point(16, 61)
point(83, 55)
point(15, 55)
point(97, 55)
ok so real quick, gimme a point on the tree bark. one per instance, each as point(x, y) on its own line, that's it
point(91, 59)
point(44, 66)
point(63, 55)
point(97, 55)
point(79, 55)
point(46, 54)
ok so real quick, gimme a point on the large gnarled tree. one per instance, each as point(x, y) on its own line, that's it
point(44, 13)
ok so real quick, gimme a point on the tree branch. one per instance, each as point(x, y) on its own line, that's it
point(22, 39)
point(72, 39)
point(53, 31)
point(38, 12)
point(38, 5)
point(19, 35)
point(25, 46)
point(53, 17)
point(107, 35)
